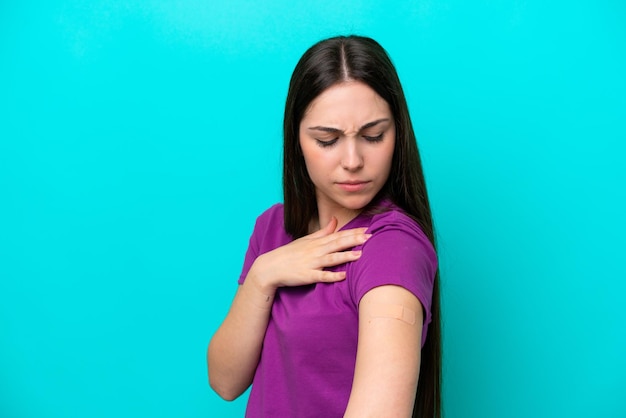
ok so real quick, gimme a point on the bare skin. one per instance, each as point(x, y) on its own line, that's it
point(388, 351)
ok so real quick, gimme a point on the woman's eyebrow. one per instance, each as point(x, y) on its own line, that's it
point(373, 123)
point(337, 130)
point(325, 129)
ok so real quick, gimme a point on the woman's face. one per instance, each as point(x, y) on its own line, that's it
point(347, 136)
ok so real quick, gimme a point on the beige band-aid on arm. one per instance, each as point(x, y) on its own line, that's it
point(384, 310)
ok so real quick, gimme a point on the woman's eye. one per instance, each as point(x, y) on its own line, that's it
point(325, 144)
point(373, 138)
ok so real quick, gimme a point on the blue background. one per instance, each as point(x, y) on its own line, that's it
point(139, 140)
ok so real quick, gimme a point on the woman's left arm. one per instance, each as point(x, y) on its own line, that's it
point(388, 354)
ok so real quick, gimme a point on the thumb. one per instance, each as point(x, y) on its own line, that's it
point(328, 229)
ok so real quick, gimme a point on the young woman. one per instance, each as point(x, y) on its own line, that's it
point(337, 310)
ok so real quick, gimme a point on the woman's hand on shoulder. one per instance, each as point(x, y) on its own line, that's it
point(303, 260)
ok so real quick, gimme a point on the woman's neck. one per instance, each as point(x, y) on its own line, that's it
point(343, 216)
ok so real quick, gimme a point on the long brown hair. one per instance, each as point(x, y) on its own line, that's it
point(358, 58)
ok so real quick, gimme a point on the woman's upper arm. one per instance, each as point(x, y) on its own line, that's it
point(388, 353)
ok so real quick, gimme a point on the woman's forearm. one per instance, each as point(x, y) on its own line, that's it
point(234, 350)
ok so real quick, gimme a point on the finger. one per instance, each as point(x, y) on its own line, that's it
point(332, 224)
point(353, 231)
point(327, 230)
point(343, 242)
point(344, 233)
point(329, 276)
point(341, 257)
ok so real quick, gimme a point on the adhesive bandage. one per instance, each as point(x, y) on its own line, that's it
point(384, 310)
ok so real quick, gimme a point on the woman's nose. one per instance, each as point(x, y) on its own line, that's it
point(352, 159)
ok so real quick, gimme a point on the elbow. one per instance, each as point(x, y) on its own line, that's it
point(224, 391)
point(223, 380)
point(225, 388)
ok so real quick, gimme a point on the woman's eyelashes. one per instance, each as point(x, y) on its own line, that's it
point(330, 142)
point(326, 143)
point(377, 138)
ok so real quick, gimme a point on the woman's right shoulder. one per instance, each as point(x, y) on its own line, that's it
point(272, 219)
point(276, 211)
point(269, 230)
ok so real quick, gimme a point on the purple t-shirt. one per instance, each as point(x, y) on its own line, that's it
point(309, 351)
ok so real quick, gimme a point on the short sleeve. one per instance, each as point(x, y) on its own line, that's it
point(251, 254)
point(398, 253)
point(267, 235)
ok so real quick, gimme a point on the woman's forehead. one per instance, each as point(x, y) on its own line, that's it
point(346, 102)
